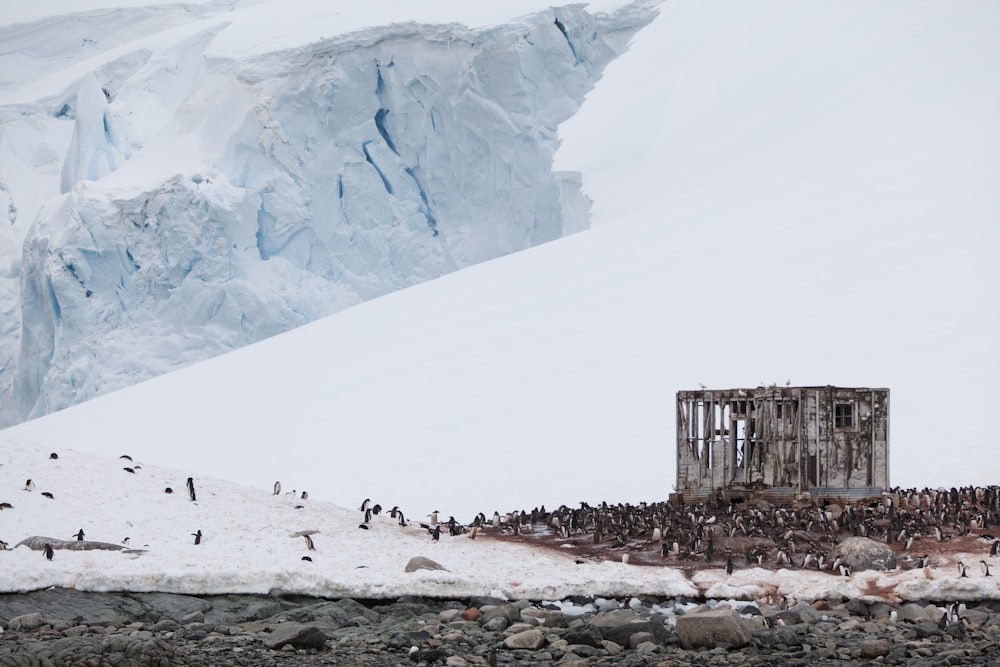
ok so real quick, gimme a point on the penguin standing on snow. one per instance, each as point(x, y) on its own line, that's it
point(730, 566)
point(29, 485)
point(190, 485)
point(961, 570)
point(277, 488)
point(986, 569)
point(47, 550)
point(197, 536)
point(79, 535)
point(924, 561)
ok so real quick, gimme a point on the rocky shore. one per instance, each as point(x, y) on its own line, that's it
point(65, 627)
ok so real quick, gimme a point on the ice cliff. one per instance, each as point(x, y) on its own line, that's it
point(169, 197)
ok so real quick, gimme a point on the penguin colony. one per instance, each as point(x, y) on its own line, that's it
point(758, 533)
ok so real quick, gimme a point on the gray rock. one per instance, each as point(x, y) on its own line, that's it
point(706, 629)
point(509, 612)
point(421, 563)
point(879, 610)
point(297, 636)
point(911, 612)
point(495, 624)
point(586, 635)
point(620, 624)
point(26, 622)
point(550, 618)
point(194, 617)
point(531, 640)
point(873, 648)
point(861, 553)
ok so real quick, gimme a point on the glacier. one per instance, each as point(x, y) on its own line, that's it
point(171, 197)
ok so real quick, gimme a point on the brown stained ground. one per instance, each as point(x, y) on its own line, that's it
point(942, 554)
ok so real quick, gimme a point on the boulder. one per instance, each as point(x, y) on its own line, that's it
point(874, 648)
point(509, 612)
point(707, 629)
point(587, 635)
point(296, 635)
point(26, 622)
point(532, 640)
point(550, 618)
point(861, 553)
point(912, 612)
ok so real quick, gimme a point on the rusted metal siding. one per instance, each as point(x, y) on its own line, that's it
point(786, 439)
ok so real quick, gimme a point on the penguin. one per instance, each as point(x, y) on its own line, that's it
point(402, 519)
point(197, 536)
point(307, 558)
point(277, 488)
point(491, 658)
point(126, 540)
point(126, 457)
point(664, 550)
point(47, 550)
point(986, 569)
point(730, 566)
point(368, 515)
point(363, 526)
point(6, 506)
point(364, 504)
point(924, 561)
point(79, 535)
point(53, 455)
point(995, 548)
point(190, 486)
point(473, 532)
point(3, 546)
point(305, 495)
point(129, 470)
point(496, 519)
point(309, 543)
point(436, 533)
point(434, 517)
point(961, 570)
point(376, 509)
point(943, 621)
point(624, 559)
point(29, 485)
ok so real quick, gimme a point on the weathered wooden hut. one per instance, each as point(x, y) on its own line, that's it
point(780, 442)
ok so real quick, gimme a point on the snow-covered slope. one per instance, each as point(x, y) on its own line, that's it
point(251, 543)
point(782, 191)
point(231, 171)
